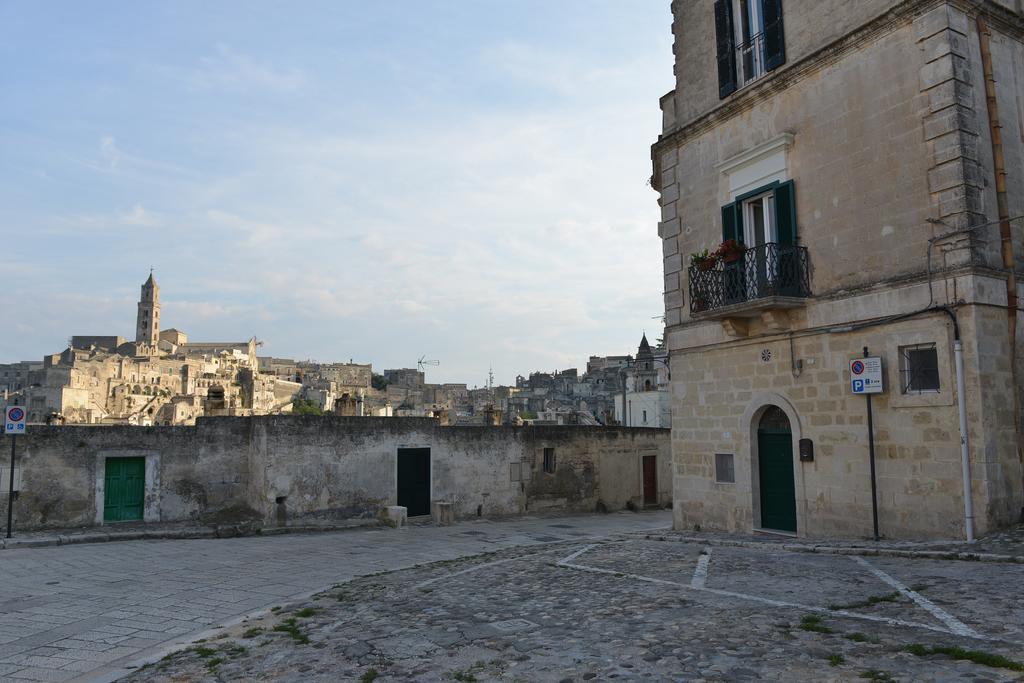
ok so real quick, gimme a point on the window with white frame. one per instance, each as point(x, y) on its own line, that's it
point(748, 16)
point(759, 219)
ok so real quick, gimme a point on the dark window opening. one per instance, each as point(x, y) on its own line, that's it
point(725, 472)
point(919, 369)
point(549, 460)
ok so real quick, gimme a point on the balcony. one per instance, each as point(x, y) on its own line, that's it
point(763, 281)
point(750, 60)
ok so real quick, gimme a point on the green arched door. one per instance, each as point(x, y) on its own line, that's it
point(775, 470)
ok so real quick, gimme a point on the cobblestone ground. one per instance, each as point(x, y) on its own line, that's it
point(83, 612)
point(636, 609)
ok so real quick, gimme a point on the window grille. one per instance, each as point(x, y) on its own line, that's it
point(919, 369)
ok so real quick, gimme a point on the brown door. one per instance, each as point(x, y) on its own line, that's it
point(650, 480)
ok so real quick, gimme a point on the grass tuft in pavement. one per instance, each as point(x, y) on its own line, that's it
point(306, 612)
point(871, 601)
point(369, 676)
point(861, 638)
point(976, 656)
point(835, 660)
point(812, 622)
point(290, 627)
point(877, 676)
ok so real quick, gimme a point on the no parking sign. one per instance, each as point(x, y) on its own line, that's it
point(14, 420)
point(866, 375)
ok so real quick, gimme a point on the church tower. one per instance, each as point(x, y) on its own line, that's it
point(147, 327)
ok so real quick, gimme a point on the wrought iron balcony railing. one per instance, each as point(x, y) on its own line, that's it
point(767, 270)
point(750, 60)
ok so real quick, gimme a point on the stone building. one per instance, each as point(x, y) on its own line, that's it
point(15, 376)
point(645, 392)
point(160, 378)
point(837, 176)
point(147, 325)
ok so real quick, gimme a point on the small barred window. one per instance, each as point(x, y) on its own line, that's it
point(919, 369)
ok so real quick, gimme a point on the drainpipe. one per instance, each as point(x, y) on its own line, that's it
point(1002, 204)
point(965, 459)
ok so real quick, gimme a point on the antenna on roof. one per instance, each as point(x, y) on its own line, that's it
point(423, 361)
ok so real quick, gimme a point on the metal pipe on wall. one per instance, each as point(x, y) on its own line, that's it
point(965, 459)
point(1003, 207)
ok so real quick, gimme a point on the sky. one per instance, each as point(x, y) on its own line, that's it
point(377, 181)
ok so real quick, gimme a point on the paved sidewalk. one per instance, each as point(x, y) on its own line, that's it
point(1002, 546)
point(84, 612)
point(138, 531)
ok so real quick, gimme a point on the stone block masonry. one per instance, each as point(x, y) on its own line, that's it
point(283, 470)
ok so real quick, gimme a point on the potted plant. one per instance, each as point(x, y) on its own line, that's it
point(730, 251)
point(703, 260)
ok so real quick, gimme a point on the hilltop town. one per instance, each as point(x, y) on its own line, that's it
point(163, 378)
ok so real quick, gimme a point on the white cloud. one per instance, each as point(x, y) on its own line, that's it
point(109, 152)
point(138, 216)
point(564, 73)
point(227, 69)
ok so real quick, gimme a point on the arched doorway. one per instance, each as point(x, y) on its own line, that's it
point(775, 471)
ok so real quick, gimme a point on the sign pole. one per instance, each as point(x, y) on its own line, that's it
point(871, 457)
point(10, 490)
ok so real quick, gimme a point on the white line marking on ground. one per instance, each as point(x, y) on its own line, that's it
point(700, 574)
point(576, 554)
point(567, 563)
point(955, 625)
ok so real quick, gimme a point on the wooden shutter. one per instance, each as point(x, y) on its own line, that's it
point(774, 38)
point(725, 42)
point(732, 223)
point(785, 213)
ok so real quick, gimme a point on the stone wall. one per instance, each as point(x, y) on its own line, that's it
point(312, 469)
point(917, 447)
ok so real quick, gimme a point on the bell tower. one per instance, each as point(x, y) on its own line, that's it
point(147, 327)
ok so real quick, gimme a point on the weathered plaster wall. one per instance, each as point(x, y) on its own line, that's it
point(311, 468)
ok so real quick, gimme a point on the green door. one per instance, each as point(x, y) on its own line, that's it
point(775, 467)
point(124, 489)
